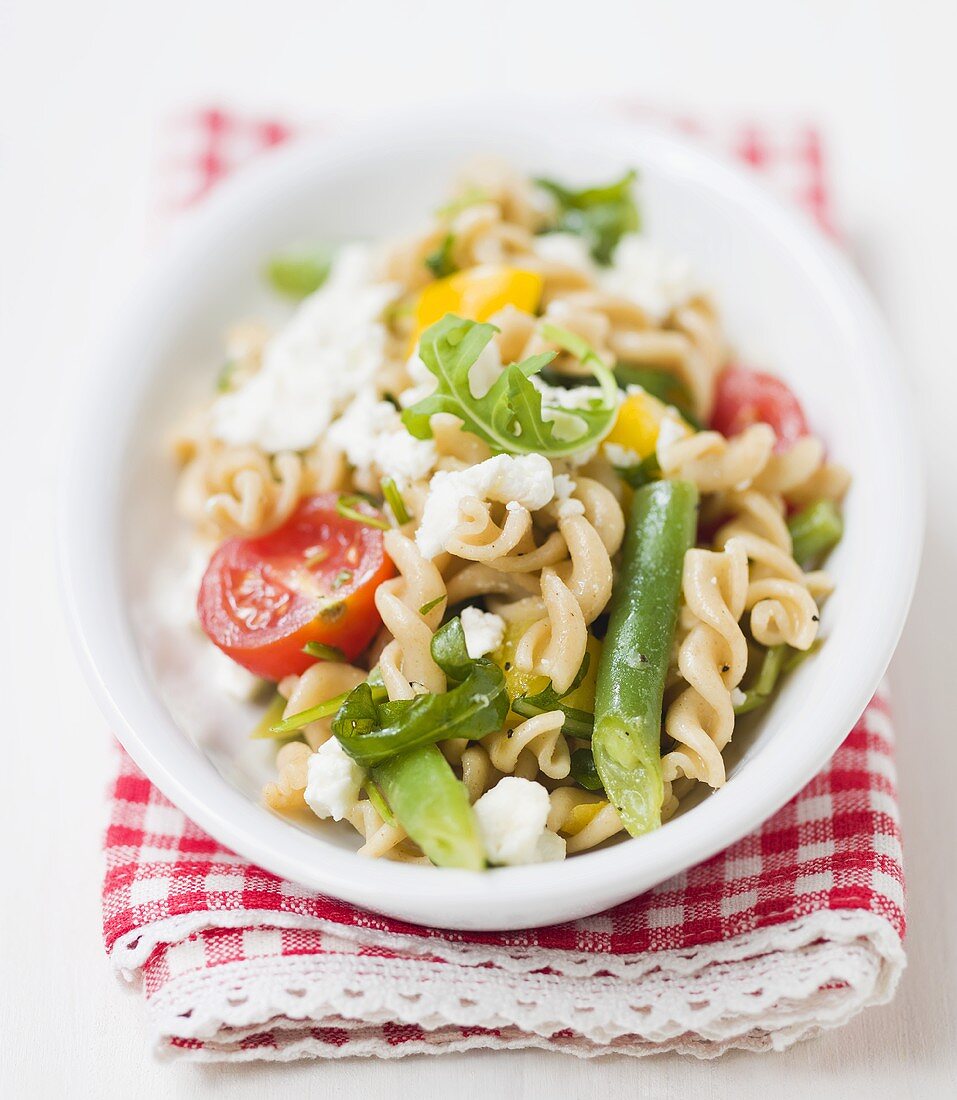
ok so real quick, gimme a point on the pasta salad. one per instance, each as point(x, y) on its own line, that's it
point(499, 532)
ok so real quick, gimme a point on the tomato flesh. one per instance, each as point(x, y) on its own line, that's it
point(311, 580)
point(745, 397)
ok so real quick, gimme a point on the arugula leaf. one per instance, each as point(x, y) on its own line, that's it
point(584, 771)
point(578, 723)
point(440, 262)
point(477, 703)
point(511, 417)
point(602, 215)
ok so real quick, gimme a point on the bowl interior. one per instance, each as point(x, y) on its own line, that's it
point(788, 307)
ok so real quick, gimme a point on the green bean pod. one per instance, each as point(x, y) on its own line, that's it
point(432, 806)
point(637, 650)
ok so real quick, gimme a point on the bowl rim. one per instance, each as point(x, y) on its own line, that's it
point(503, 898)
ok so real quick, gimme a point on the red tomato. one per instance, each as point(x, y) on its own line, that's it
point(745, 397)
point(311, 580)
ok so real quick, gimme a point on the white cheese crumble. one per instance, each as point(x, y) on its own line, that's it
point(658, 281)
point(564, 486)
point(511, 818)
point(737, 697)
point(483, 631)
point(370, 433)
point(622, 457)
point(334, 781)
point(564, 248)
point(524, 480)
point(332, 347)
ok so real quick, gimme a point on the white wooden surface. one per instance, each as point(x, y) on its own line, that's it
point(83, 90)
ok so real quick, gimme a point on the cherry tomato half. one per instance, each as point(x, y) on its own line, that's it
point(311, 580)
point(745, 397)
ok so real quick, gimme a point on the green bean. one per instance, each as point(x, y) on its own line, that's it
point(637, 650)
point(298, 273)
point(815, 531)
point(432, 806)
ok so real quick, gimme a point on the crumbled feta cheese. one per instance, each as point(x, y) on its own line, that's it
point(371, 433)
point(564, 486)
point(568, 508)
point(622, 457)
point(737, 697)
point(334, 781)
point(511, 818)
point(332, 347)
point(658, 281)
point(483, 631)
point(564, 248)
point(524, 480)
point(567, 397)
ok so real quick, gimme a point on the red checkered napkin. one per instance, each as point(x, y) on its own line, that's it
point(793, 929)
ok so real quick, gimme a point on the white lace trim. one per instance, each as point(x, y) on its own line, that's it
point(761, 990)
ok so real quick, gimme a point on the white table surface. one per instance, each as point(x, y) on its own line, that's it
point(83, 91)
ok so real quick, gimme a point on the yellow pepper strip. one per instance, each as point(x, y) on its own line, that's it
point(518, 682)
point(476, 294)
point(638, 423)
point(580, 816)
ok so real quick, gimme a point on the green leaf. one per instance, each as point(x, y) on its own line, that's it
point(348, 508)
point(511, 416)
point(584, 771)
point(602, 215)
point(476, 704)
point(297, 273)
point(427, 607)
point(578, 723)
point(390, 491)
point(440, 262)
point(324, 652)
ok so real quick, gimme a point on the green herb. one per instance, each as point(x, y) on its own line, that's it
point(224, 380)
point(372, 732)
point(511, 416)
point(341, 578)
point(815, 531)
point(662, 384)
point(602, 215)
point(266, 727)
point(394, 500)
point(377, 799)
point(583, 770)
point(324, 710)
point(427, 607)
point(578, 723)
point(348, 507)
point(324, 652)
point(440, 262)
point(299, 272)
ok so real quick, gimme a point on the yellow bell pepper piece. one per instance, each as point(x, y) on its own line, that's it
point(526, 683)
point(580, 816)
point(477, 293)
point(638, 423)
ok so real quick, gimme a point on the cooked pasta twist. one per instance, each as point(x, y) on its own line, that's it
point(406, 663)
point(319, 683)
point(229, 490)
point(715, 463)
point(541, 735)
point(712, 659)
point(554, 646)
point(585, 819)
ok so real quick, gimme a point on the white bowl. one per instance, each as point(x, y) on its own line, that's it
point(792, 304)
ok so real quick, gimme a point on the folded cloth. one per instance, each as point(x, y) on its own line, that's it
point(791, 930)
